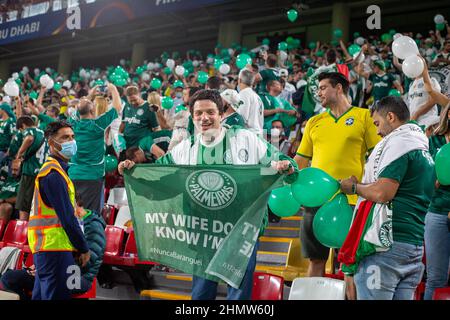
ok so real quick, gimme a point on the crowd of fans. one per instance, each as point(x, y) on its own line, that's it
point(140, 113)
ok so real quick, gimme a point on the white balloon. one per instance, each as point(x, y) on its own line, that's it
point(25, 70)
point(359, 41)
point(224, 69)
point(11, 88)
point(145, 76)
point(179, 70)
point(404, 47)
point(283, 55)
point(412, 66)
point(122, 62)
point(210, 60)
point(429, 52)
point(230, 51)
point(150, 66)
point(439, 18)
point(46, 81)
point(67, 84)
point(195, 63)
point(170, 63)
point(15, 76)
point(48, 70)
point(37, 71)
point(7, 99)
point(397, 35)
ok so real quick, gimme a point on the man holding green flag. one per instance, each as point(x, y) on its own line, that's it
point(232, 178)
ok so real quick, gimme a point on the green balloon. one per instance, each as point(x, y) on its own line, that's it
point(292, 15)
point(242, 60)
point(224, 53)
point(440, 26)
point(356, 35)
point(314, 187)
point(282, 46)
point(99, 82)
point(202, 77)
point(282, 202)
point(312, 45)
point(332, 222)
point(334, 43)
point(180, 108)
point(120, 82)
point(386, 37)
point(337, 33)
point(394, 92)
point(178, 84)
point(186, 72)
point(392, 32)
point(319, 53)
point(57, 86)
point(33, 94)
point(140, 70)
point(156, 83)
point(167, 102)
point(18, 81)
point(442, 165)
point(289, 40)
point(110, 163)
point(266, 41)
point(167, 71)
point(354, 48)
point(218, 63)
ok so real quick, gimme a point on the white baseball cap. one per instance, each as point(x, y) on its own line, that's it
point(284, 73)
point(232, 97)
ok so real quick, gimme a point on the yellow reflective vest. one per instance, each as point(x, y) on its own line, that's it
point(45, 232)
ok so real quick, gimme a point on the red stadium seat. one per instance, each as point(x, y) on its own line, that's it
point(16, 235)
point(267, 287)
point(90, 294)
point(131, 250)
point(109, 214)
point(114, 244)
point(29, 260)
point(442, 294)
point(3, 224)
point(420, 291)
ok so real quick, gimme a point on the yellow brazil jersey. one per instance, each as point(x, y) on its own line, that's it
point(339, 145)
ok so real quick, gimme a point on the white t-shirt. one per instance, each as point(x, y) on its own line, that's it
point(252, 110)
point(417, 96)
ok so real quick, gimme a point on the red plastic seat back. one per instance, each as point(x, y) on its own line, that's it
point(114, 240)
point(442, 294)
point(130, 246)
point(3, 224)
point(267, 287)
point(16, 232)
point(90, 294)
point(108, 214)
point(29, 260)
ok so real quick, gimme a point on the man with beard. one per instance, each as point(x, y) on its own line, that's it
point(336, 141)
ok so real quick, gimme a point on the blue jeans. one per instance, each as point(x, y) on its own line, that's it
point(437, 251)
point(203, 289)
point(390, 275)
point(52, 273)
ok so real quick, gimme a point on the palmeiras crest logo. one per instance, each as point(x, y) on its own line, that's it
point(211, 189)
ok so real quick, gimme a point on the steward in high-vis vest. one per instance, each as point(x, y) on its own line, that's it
point(54, 232)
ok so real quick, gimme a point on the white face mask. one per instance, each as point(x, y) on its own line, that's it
point(275, 132)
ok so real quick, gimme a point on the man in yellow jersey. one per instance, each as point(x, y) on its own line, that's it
point(53, 230)
point(337, 142)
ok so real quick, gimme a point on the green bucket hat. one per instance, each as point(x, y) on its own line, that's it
point(380, 64)
point(7, 108)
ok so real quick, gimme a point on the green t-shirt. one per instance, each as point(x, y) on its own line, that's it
point(44, 121)
point(7, 130)
point(139, 122)
point(162, 140)
point(16, 142)
point(9, 188)
point(234, 119)
point(381, 85)
point(191, 126)
point(271, 103)
point(440, 203)
point(267, 75)
point(89, 161)
point(36, 154)
point(415, 173)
